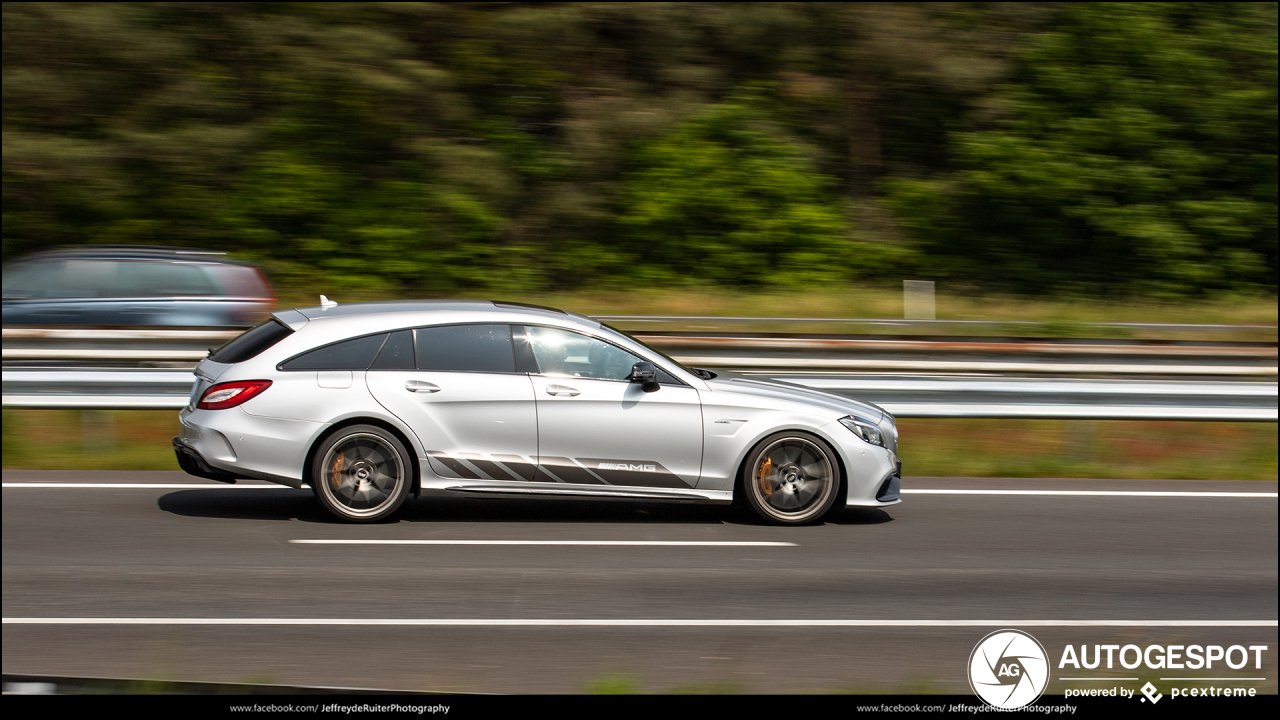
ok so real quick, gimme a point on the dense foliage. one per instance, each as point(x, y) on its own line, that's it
point(415, 148)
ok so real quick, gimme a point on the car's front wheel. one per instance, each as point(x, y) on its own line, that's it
point(361, 473)
point(790, 479)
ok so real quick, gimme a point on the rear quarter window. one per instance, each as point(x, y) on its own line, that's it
point(354, 354)
point(251, 342)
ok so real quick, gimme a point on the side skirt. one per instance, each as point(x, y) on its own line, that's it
point(595, 491)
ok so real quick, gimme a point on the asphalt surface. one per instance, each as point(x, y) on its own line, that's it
point(225, 553)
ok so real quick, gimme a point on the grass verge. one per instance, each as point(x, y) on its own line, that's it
point(1115, 449)
point(90, 439)
point(1118, 449)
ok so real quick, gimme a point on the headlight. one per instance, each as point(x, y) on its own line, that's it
point(864, 429)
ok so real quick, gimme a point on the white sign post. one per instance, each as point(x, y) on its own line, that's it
point(917, 300)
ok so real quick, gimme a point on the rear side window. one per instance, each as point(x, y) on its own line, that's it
point(466, 348)
point(108, 279)
point(61, 279)
point(160, 279)
point(397, 353)
point(251, 342)
point(31, 280)
point(354, 354)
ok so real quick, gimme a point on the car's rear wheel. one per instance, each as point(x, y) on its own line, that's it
point(790, 478)
point(361, 473)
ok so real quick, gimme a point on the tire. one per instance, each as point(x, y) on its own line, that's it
point(790, 478)
point(361, 474)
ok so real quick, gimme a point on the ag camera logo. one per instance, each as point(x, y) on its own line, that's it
point(1008, 669)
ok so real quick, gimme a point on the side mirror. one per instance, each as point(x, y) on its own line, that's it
point(646, 374)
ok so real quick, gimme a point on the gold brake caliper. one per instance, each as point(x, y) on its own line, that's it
point(335, 474)
point(765, 469)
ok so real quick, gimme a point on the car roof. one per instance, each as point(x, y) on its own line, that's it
point(416, 306)
point(344, 318)
point(131, 252)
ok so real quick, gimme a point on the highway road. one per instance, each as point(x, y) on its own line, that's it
point(216, 587)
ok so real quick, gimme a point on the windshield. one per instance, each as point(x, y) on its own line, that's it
point(696, 372)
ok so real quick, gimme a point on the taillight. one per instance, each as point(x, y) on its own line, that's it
point(231, 394)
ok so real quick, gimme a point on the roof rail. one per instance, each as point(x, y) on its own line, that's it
point(529, 306)
point(94, 247)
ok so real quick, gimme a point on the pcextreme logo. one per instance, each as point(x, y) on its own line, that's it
point(1008, 669)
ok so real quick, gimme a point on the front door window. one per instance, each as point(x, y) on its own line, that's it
point(597, 427)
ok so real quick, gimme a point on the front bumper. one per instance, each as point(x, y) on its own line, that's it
point(873, 474)
point(890, 491)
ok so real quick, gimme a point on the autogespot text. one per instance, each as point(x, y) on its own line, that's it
point(1159, 657)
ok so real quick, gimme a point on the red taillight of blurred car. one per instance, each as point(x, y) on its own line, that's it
point(231, 394)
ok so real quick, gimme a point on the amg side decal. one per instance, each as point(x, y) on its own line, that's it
point(493, 469)
point(445, 466)
point(524, 468)
point(633, 467)
point(568, 470)
point(634, 473)
point(575, 471)
point(475, 466)
point(542, 474)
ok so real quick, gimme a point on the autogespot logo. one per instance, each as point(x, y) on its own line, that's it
point(1008, 669)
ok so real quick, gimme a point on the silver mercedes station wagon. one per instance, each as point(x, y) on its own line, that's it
point(370, 402)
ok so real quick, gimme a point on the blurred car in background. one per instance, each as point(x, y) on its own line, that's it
point(134, 285)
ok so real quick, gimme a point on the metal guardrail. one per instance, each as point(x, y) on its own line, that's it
point(902, 396)
point(969, 355)
point(115, 345)
point(911, 378)
point(953, 366)
point(737, 352)
point(948, 324)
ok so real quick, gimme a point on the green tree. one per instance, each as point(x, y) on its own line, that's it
point(1138, 155)
point(720, 199)
point(418, 148)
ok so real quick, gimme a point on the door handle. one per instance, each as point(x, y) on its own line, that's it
point(419, 386)
point(562, 390)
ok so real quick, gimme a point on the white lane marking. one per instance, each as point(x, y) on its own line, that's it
point(570, 622)
point(804, 364)
point(1100, 493)
point(920, 491)
point(693, 543)
point(1103, 412)
point(1115, 387)
point(146, 486)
